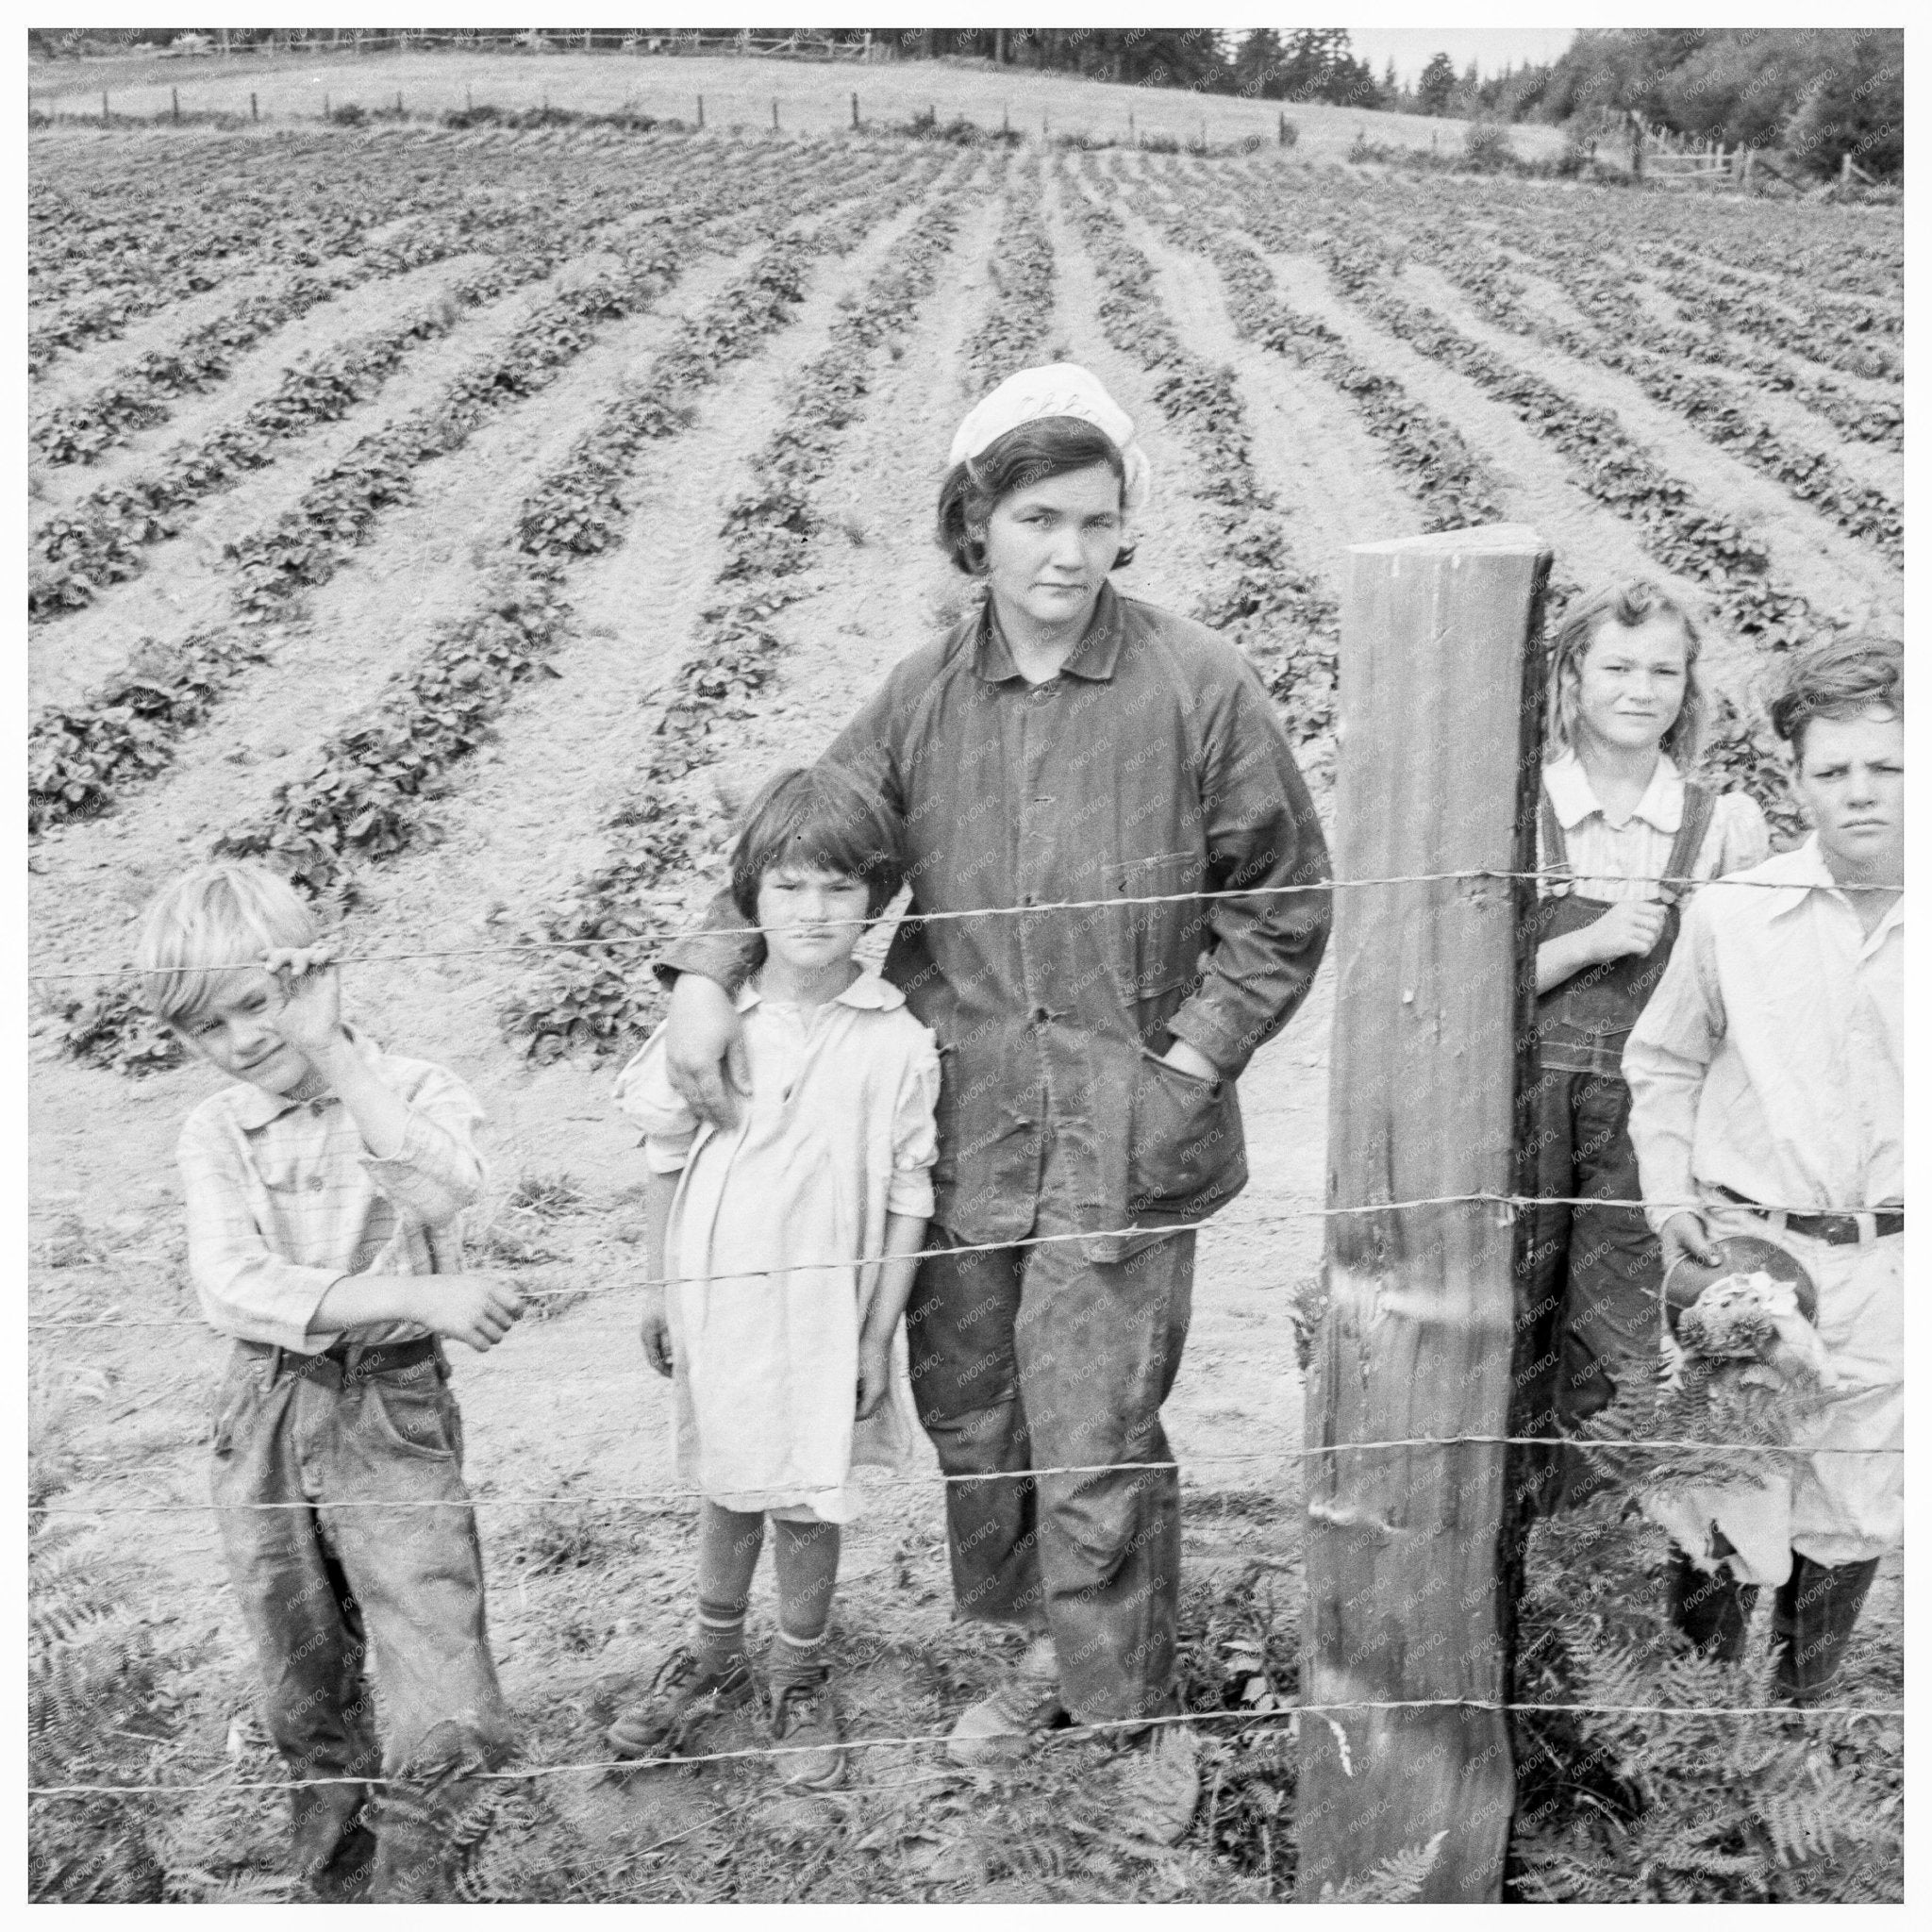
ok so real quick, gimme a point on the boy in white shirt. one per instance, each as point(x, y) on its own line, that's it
point(1767, 1079)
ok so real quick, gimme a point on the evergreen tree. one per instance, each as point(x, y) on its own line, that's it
point(1437, 83)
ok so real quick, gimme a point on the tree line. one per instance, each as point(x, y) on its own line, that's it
point(1816, 93)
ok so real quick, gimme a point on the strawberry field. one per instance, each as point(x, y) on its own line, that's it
point(462, 518)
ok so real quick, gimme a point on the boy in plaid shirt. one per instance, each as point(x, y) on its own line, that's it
point(324, 1187)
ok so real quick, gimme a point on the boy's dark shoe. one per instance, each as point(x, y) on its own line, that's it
point(332, 1846)
point(686, 1697)
point(414, 1860)
point(1713, 1610)
point(806, 1715)
point(1812, 1616)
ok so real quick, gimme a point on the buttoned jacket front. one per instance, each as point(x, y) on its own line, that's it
point(1060, 838)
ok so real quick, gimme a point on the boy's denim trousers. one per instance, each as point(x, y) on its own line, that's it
point(324, 1582)
point(1027, 1357)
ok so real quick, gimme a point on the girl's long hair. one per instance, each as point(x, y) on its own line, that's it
point(1630, 603)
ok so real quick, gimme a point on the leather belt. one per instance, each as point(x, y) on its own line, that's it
point(1840, 1230)
point(345, 1364)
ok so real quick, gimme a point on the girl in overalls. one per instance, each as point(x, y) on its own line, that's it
point(1622, 837)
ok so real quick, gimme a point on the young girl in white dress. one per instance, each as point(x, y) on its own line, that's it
point(784, 1348)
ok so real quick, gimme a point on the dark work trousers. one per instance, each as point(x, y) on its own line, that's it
point(1593, 1303)
point(1027, 1357)
point(319, 1584)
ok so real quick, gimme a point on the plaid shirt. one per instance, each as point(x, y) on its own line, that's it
point(284, 1200)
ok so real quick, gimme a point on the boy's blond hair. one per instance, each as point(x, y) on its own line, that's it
point(207, 924)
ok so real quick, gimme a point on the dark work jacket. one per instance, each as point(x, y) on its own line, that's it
point(1152, 765)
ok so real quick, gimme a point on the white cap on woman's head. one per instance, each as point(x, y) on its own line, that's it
point(1055, 388)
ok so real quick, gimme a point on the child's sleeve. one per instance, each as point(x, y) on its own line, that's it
point(437, 1172)
point(1676, 1037)
point(915, 1133)
point(1745, 836)
point(246, 1289)
point(645, 1094)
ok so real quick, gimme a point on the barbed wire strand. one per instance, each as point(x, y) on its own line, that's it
point(675, 933)
point(1075, 1734)
point(1269, 1219)
point(920, 1479)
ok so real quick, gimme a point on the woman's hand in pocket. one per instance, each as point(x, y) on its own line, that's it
point(1190, 1059)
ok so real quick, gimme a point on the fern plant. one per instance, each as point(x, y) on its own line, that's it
point(1628, 1803)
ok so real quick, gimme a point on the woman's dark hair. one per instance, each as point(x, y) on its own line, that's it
point(1839, 679)
point(1045, 447)
point(816, 816)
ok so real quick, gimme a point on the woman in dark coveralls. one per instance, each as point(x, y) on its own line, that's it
point(1065, 742)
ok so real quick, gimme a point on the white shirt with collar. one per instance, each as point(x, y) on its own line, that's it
point(1770, 1058)
point(1621, 859)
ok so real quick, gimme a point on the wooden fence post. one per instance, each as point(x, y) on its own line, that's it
point(254, 108)
point(775, 113)
point(1440, 735)
point(174, 98)
point(105, 120)
point(701, 111)
point(855, 111)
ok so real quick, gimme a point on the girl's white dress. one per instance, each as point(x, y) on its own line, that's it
point(767, 1221)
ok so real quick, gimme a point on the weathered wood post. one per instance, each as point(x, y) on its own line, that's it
point(1440, 735)
point(254, 107)
point(175, 101)
point(854, 109)
point(701, 111)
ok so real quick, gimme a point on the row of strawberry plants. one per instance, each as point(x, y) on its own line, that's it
point(138, 397)
point(1595, 249)
point(1733, 566)
point(1263, 597)
point(1732, 569)
point(301, 206)
point(80, 759)
point(97, 541)
point(308, 543)
point(1757, 316)
point(363, 800)
point(1014, 331)
point(1453, 486)
point(1826, 312)
point(1711, 406)
point(1603, 287)
point(593, 996)
point(1441, 219)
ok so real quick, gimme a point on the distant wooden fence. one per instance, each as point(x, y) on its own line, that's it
point(803, 43)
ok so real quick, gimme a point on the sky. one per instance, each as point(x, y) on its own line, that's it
point(1410, 47)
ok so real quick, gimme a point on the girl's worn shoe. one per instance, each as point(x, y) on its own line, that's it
point(686, 1697)
point(806, 1715)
